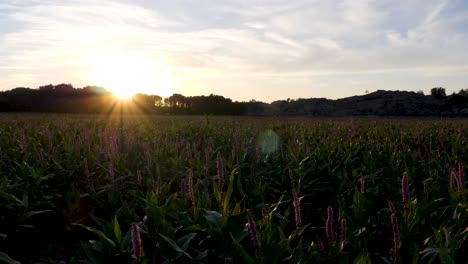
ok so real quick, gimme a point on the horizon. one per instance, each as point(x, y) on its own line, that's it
point(241, 50)
point(127, 97)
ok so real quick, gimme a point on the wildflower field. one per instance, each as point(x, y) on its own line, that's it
point(165, 189)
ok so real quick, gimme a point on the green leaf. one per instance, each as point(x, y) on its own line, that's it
point(363, 258)
point(213, 217)
point(117, 231)
point(235, 211)
point(31, 213)
point(184, 241)
point(359, 204)
point(57, 164)
point(100, 234)
point(11, 196)
point(4, 258)
point(240, 189)
point(27, 226)
point(227, 197)
point(174, 246)
point(299, 231)
point(216, 192)
point(245, 256)
point(126, 240)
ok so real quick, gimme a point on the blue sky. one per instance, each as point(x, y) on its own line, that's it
point(263, 50)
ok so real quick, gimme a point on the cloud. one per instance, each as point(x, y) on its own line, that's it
point(240, 43)
point(284, 40)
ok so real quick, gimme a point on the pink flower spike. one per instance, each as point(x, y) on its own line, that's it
point(394, 251)
point(405, 189)
point(297, 210)
point(330, 232)
point(392, 207)
point(426, 191)
point(447, 237)
point(320, 244)
point(363, 183)
point(220, 168)
point(461, 180)
point(253, 231)
point(343, 229)
point(136, 241)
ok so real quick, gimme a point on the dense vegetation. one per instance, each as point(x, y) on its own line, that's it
point(64, 98)
point(124, 189)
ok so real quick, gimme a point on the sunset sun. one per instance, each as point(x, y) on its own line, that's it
point(126, 73)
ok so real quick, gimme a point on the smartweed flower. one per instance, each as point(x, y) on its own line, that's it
point(394, 251)
point(391, 207)
point(139, 177)
point(458, 178)
point(85, 163)
point(111, 174)
point(461, 179)
point(264, 213)
point(183, 187)
point(252, 173)
point(363, 183)
point(405, 189)
point(453, 181)
point(297, 209)
point(291, 177)
point(343, 229)
point(158, 186)
point(330, 232)
point(114, 146)
point(136, 241)
point(189, 154)
point(190, 186)
point(426, 190)
point(253, 231)
point(320, 244)
point(87, 174)
point(220, 168)
point(207, 161)
point(233, 153)
point(447, 237)
point(147, 152)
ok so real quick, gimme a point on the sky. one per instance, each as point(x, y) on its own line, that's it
point(244, 49)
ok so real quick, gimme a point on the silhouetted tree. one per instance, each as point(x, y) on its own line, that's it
point(147, 103)
point(175, 100)
point(158, 100)
point(46, 88)
point(459, 100)
point(438, 93)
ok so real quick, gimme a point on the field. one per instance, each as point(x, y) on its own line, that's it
point(152, 189)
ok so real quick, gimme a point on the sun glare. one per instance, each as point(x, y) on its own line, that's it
point(123, 94)
point(127, 73)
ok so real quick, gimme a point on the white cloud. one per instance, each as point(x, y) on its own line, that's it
point(284, 40)
point(242, 43)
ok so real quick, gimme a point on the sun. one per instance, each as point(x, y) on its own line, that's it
point(127, 73)
point(123, 94)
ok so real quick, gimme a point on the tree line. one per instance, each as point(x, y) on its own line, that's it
point(64, 98)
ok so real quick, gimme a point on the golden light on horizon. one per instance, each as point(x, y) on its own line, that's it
point(128, 73)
